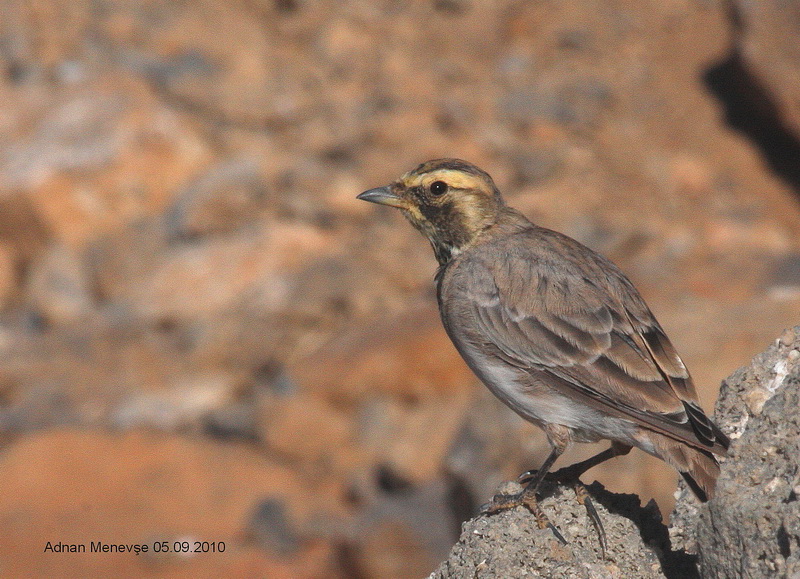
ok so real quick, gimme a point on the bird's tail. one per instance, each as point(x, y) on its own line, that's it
point(698, 466)
point(704, 484)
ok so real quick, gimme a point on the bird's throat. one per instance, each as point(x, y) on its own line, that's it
point(446, 241)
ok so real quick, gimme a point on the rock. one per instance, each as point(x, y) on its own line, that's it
point(391, 550)
point(403, 532)
point(224, 272)
point(785, 278)
point(204, 70)
point(510, 545)
point(533, 168)
point(752, 527)
point(31, 409)
point(270, 529)
point(236, 420)
point(406, 356)
point(226, 197)
point(85, 161)
point(78, 487)
point(306, 429)
point(22, 228)
point(578, 102)
point(8, 274)
point(83, 130)
point(59, 286)
point(185, 404)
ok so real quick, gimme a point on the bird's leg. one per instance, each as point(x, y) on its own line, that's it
point(527, 497)
point(571, 475)
point(572, 472)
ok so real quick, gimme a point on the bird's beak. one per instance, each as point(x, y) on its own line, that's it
point(383, 196)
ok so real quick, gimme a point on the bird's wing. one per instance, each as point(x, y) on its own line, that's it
point(591, 332)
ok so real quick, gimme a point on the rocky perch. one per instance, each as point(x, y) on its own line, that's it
point(750, 529)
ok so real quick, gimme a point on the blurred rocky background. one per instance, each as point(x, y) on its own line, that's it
point(205, 337)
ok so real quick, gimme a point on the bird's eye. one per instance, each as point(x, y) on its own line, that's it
point(438, 187)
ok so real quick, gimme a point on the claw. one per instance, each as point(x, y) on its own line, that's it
point(526, 476)
point(569, 475)
point(557, 533)
point(582, 494)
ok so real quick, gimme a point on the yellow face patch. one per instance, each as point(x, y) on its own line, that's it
point(413, 213)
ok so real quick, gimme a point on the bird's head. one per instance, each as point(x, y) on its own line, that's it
point(450, 201)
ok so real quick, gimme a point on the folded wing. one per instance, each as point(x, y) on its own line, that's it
point(592, 334)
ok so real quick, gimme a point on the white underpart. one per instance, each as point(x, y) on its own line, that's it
point(546, 406)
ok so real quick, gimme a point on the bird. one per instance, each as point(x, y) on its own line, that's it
point(556, 331)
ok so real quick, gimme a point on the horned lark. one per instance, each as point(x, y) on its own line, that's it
point(555, 330)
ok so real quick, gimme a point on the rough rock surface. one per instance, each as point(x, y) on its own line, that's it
point(755, 512)
point(752, 527)
point(510, 544)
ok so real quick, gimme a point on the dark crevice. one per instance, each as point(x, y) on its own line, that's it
point(751, 110)
point(392, 482)
point(783, 542)
point(461, 502)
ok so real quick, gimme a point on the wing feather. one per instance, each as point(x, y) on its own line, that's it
point(596, 337)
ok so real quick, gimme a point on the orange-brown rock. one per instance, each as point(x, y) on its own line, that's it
point(76, 488)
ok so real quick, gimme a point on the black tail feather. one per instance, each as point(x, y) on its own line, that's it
point(696, 488)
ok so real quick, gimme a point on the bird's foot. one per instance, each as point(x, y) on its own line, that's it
point(569, 476)
point(526, 498)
